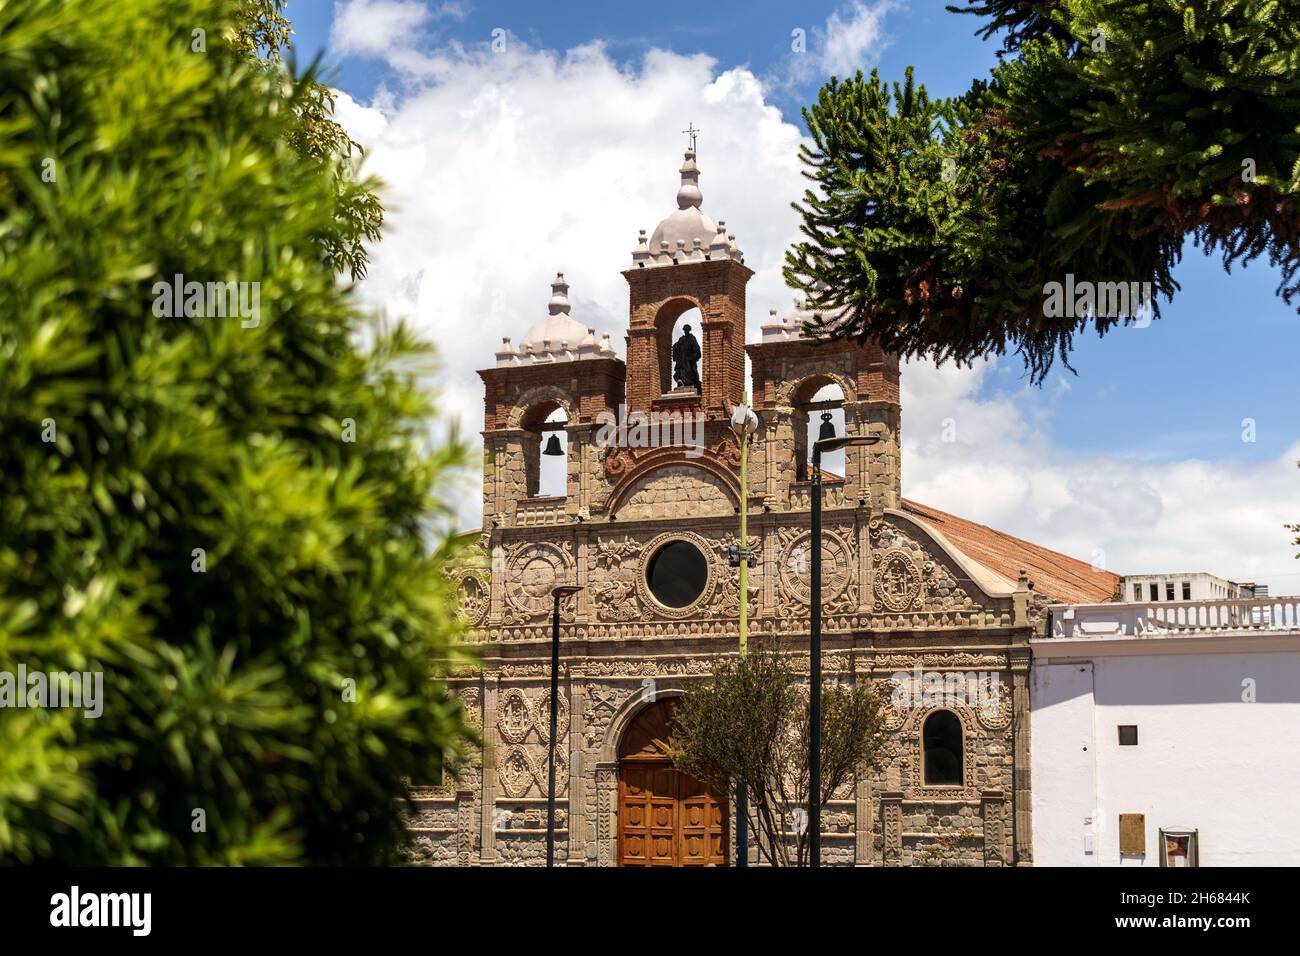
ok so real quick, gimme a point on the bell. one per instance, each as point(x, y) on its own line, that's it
point(553, 446)
point(827, 429)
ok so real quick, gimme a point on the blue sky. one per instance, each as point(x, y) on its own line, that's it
point(1159, 397)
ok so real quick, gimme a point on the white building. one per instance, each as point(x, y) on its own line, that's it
point(1186, 586)
point(1167, 734)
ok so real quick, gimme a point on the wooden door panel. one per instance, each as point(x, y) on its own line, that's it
point(695, 815)
point(697, 842)
point(667, 818)
point(634, 817)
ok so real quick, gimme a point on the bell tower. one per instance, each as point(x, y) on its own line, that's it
point(789, 371)
point(688, 262)
point(558, 366)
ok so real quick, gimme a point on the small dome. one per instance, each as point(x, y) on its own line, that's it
point(791, 326)
point(558, 328)
point(557, 338)
point(686, 224)
point(687, 235)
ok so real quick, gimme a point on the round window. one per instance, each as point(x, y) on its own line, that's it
point(677, 574)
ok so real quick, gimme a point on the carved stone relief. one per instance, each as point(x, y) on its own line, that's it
point(839, 569)
point(514, 715)
point(615, 601)
point(532, 571)
point(518, 772)
point(612, 552)
point(898, 582)
point(891, 812)
point(915, 587)
point(473, 585)
point(471, 699)
point(544, 715)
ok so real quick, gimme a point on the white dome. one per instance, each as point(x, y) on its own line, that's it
point(558, 329)
point(684, 226)
point(554, 332)
point(676, 237)
point(790, 328)
point(558, 337)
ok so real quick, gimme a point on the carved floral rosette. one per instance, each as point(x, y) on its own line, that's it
point(531, 572)
point(795, 571)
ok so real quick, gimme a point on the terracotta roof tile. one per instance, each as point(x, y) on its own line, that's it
point(1055, 575)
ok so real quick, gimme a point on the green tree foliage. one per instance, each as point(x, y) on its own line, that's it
point(181, 507)
point(1111, 133)
point(262, 34)
point(750, 722)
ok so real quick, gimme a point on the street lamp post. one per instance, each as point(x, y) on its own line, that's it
point(827, 441)
point(744, 422)
point(562, 591)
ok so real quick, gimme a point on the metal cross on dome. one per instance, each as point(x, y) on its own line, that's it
point(691, 131)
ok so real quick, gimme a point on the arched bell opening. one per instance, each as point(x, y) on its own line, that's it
point(818, 413)
point(546, 450)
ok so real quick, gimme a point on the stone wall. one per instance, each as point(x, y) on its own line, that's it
point(888, 816)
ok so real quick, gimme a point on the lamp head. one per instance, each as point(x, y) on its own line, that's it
point(744, 420)
point(835, 444)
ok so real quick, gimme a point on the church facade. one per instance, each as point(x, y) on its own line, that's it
point(915, 600)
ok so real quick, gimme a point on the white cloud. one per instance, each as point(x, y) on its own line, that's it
point(504, 168)
point(376, 27)
point(1137, 515)
point(851, 39)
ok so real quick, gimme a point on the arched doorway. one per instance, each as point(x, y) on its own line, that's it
point(665, 817)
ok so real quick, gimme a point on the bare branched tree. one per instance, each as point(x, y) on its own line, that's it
point(750, 722)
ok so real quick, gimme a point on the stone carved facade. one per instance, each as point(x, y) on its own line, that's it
point(896, 596)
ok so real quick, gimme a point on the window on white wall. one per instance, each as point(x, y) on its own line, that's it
point(1187, 595)
point(1155, 596)
point(1178, 848)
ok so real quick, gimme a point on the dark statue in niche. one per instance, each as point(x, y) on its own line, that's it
point(686, 352)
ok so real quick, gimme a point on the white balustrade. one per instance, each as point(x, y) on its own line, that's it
point(1176, 618)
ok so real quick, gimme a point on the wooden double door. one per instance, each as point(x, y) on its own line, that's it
point(665, 817)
